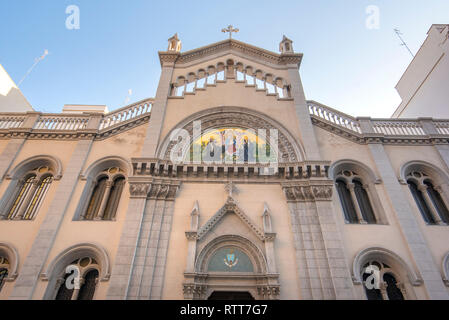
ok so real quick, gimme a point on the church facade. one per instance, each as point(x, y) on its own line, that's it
point(227, 184)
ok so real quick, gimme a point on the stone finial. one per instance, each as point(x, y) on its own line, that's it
point(286, 45)
point(174, 44)
point(194, 216)
point(266, 216)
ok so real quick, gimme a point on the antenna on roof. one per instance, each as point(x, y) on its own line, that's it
point(36, 61)
point(399, 33)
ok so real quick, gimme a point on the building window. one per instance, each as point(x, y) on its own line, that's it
point(354, 198)
point(381, 283)
point(88, 271)
point(4, 266)
point(105, 195)
point(429, 198)
point(29, 194)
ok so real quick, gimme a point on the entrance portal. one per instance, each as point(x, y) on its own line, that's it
point(230, 295)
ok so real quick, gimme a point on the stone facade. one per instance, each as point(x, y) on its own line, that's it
point(289, 221)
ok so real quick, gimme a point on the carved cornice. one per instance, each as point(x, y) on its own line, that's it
point(155, 189)
point(307, 192)
point(168, 57)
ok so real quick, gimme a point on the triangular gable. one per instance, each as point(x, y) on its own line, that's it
point(231, 45)
point(230, 206)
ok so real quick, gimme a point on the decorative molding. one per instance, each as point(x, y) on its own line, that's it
point(307, 193)
point(78, 251)
point(155, 189)
point(228, 207)
point(232, 45)
point(386, 256)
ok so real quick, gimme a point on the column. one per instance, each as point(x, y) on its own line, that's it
point(356, 203)
point(27, 200)
point(443, 190)
point(104, 201)
point(419, 249)
point(433, 210)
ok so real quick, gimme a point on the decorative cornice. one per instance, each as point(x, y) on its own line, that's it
point(369, 138)
point(308, 192)
point(155, 189)
point(232, 45)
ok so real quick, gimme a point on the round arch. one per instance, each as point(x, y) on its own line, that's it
point(436, 173)
point(79, 251)
point(289, 149)
point(9, 252)
point(255, 255)
point(36, 161)
point(353, 165)
point(106, 162)
point(384, 255)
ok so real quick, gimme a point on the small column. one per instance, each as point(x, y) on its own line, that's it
point(383, 290)
point(104, 201)
point(76, 291)
point(443, 190)
point(430, 205)
point(376, 205)
point(351, 187)
point(25, 203)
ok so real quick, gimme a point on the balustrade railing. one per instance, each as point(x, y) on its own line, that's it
point(334, 116)
point(127, 113)
point(442, 127)
point(61, 122)
point(10, 122)
point(398, 127)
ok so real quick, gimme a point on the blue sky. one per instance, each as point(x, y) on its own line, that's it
point(346, 65)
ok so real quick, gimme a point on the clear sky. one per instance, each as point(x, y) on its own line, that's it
point(346, 65)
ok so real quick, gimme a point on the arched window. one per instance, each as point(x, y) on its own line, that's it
point(429, 199)
point(28, 194)
point(4, 267)
point(354, 198)
point(381, 282)
point(346, 201)
point(81, 283)
point(105, 195)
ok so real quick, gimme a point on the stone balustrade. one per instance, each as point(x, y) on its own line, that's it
point(420, 127)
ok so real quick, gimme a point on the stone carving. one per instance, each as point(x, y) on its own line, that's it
point(308, 193)
point(139, 189)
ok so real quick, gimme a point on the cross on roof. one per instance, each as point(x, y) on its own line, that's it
point(230, 29)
